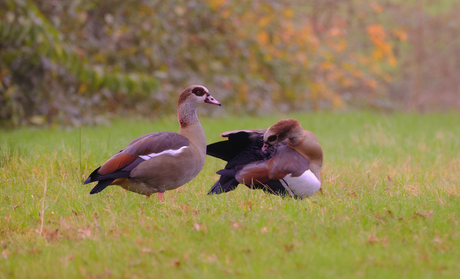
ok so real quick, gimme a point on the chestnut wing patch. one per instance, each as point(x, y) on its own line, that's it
point(285, 161)
point(253, 173)
point(149, 144)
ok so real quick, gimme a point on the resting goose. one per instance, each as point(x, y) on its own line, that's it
point(284, 159)
point(157, 162)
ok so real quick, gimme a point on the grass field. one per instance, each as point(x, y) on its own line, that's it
point(390, 206)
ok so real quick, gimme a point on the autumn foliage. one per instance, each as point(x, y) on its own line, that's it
point(70, 62)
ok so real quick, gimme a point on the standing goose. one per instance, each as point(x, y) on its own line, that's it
point(157, 162)
point(285, 159)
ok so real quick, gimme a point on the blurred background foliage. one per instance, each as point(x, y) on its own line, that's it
point(75, 62)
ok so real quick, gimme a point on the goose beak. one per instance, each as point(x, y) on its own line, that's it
point(210, 100)
point(266, 145)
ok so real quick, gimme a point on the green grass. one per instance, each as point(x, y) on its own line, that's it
point(390, 206)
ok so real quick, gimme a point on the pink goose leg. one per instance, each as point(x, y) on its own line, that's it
point(161, 196)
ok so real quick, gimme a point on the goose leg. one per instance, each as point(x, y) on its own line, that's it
point(286, 186)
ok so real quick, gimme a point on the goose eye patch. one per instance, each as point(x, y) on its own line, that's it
point(199, 91)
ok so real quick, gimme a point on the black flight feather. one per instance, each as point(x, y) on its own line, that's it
point(240, 149)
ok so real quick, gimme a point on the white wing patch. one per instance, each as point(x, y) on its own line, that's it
point(303, 186)
point(172, 152)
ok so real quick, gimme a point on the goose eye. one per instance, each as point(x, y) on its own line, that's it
point(272, 138)
point(199, 91)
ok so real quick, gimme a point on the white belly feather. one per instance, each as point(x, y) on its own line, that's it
point(302, 186)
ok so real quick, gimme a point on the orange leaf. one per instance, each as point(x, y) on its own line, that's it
point(263, 37)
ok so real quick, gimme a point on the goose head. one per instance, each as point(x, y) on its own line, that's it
point(289, 129)
point(189, 99)
point(196, 95)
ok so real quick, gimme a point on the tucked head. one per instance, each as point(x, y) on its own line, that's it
point(280, 131)
point(196, 94)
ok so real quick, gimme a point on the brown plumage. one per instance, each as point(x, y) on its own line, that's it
point(302, 141)
point(284, 159)
point(157, 162)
